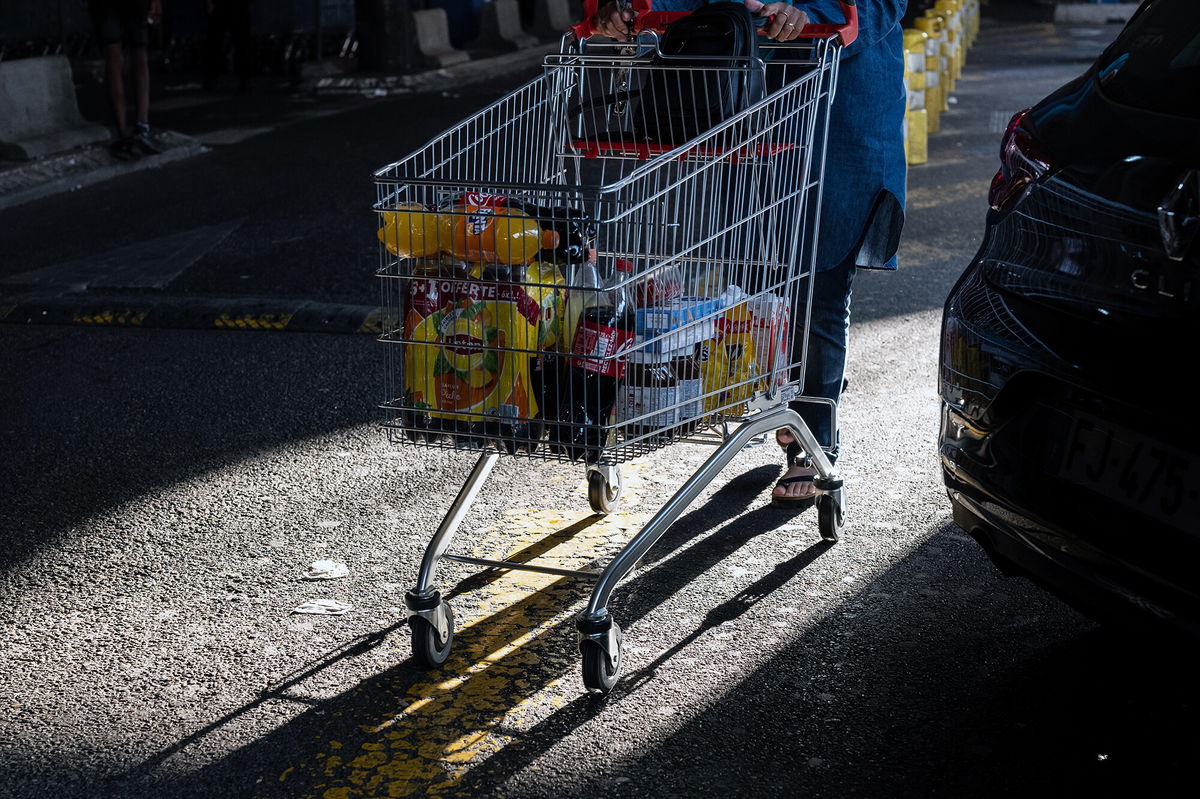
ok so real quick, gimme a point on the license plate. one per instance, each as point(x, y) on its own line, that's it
point(1133, 470)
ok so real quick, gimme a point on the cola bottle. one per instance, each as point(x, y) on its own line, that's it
point(595, 367)
point(543, 378)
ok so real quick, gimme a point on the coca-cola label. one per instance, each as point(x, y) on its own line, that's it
point(597, 348)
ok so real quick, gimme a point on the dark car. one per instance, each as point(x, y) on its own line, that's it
point(1070, 354)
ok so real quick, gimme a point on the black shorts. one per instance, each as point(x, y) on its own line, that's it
point(120, 21)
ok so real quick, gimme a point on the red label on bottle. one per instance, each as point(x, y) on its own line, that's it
point(601, 347)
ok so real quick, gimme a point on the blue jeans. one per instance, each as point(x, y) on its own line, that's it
point(829, 330)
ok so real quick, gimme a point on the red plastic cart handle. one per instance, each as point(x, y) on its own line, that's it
point(646, 19)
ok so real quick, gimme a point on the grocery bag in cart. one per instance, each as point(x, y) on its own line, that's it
point(579, 273)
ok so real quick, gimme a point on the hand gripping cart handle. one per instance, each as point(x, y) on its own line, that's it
point(647, 19)
point(615, 257)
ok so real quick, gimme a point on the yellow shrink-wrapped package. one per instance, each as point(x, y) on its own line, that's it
point(729, 369)
point(469, 348)
point(546, 285)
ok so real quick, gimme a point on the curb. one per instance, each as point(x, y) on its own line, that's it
point(230, 313)
point(78, 168)
point(381, 85)
point(1093, 13)
point(87, 166)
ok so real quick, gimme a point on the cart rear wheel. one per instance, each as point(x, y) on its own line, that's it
point(428, 648)
point(600, 672)
point(831, 517)
point(602, 495)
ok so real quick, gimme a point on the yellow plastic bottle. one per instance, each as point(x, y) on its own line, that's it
point(411, 231)
point(490, 233)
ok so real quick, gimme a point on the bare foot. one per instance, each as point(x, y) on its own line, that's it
point(787, 487)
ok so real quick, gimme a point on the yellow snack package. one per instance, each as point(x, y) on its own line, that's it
point(466, 356)
point(548, 287)
point(729, 370)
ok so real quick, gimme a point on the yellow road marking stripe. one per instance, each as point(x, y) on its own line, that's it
point(268, 321)
point(448, 724)
point(123, 317)
point(373, 323)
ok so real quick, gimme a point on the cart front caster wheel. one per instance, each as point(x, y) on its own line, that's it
point(831, 515)
point(603, 493)
point(428, 648)
point(600, 672)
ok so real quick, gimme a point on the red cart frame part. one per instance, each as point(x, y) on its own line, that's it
point(647, 19)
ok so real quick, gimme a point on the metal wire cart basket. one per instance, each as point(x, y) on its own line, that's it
point(614, 257)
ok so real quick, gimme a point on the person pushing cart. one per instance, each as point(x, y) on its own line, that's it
point(862, 211)
point(618, 255)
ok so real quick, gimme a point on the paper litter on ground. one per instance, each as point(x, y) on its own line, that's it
point(323, 607)
point(326, 570)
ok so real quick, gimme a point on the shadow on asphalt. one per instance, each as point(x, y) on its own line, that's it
point(130, 413)
point(860, 704)
point(363, 717)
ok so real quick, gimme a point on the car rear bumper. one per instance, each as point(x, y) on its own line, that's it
point(1085, 576)
point(1025, 452)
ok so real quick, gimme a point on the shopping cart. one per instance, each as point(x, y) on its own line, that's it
point(574, 273)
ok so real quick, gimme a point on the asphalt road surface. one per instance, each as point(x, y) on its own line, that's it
point(164, 491)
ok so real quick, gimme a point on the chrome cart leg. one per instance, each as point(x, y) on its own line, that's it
point(599, 635)
point(430, 617)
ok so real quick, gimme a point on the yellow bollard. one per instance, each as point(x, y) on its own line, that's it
point(946, 68)
point(954, 24)
point(916, 117)
point(935, 80)
point(968, 12)
point(972, 21)
point(949, 45)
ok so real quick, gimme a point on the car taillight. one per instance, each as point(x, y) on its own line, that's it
point(1022, 162)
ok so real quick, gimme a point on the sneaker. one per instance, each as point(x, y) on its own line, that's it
point(122, 149)
point(145, 142)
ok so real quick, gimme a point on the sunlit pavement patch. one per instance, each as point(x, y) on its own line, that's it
point(503, 663)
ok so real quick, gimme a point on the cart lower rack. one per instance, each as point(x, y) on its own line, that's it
point(566, 275)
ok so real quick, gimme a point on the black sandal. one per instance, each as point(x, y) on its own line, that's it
point(795, 457)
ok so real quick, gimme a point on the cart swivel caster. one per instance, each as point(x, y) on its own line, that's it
point(600, 645)
point(831, 509)
point(432, 625)
point(604, 488)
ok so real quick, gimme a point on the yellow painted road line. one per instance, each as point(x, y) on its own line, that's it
point(497, 673)
point(122, 317)
point(373, 323)
point(268, 321)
